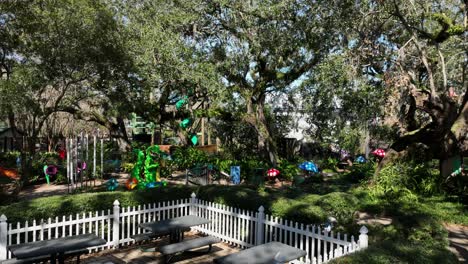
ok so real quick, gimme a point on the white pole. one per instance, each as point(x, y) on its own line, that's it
point(102, 157)
point(75, 163)
point(70, 163)
point(87, 146)
point(94, 156)
point(81, 157)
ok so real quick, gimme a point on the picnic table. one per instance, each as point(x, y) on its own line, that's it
point(56, 247)
point(273, 252)
point(174, 226)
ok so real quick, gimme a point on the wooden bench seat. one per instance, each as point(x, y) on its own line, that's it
point(169, 250)
point(45, 258)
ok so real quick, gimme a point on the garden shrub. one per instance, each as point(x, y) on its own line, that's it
point(361, 171)
point(8, 159)
point(188, 157)
point(249, 166)
point(128, 166)
point(288, 170)
point(405, 179)
point(329, 163)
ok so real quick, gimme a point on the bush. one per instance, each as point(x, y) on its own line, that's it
point(8, 159)
point(128, 166)
point(405, 179)
point(361, 171)
point(288, 170)
point(185, 158)
point(328, 164)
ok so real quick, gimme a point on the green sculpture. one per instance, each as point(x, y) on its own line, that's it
point(151, 166)
point(147, 165)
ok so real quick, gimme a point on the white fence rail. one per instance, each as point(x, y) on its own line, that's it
point(232, 225)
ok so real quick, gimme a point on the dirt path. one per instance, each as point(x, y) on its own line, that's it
point(44, 190)
point(458, 238)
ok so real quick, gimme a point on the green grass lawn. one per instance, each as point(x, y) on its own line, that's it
point(416, 234)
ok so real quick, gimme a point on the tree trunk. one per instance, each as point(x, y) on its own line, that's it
point(445, 137)
point(256, 117)
point(119, 132)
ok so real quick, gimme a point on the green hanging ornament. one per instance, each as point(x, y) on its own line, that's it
point(181, 102)
point(185, 123)
point(194, 139)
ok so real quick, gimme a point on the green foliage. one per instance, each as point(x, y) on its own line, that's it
point(128, 166)
point(340, 205)
point(8, 159)
point(329, 163)
point(188, 157)
point(392, 182)
point(288, 170)
point(405, 179)
point(249, 165)
point(361, 171)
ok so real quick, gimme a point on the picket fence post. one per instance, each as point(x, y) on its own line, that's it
point(259, 236)
point(193, 201)
point(363, 239)
point(116, 224)
point(3, 237)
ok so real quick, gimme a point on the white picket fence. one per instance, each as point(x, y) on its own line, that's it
point(235, 226)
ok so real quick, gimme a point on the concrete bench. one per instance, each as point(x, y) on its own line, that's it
point(170, 250)
point(150, 236)
point(45, 258)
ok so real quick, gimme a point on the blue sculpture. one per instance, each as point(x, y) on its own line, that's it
point(235, 174)
point(360, 159)
point(309, 166)
point(112, 184)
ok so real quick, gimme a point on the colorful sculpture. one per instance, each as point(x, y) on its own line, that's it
point(360, 159)
point(112, 184)
point(81, 166)
point(309, 166)
point(10, 173)
point(131, 183)
point(379, 153)
point(344, 154)
point(50, 170)
point(145, 174)
point(272, 173)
